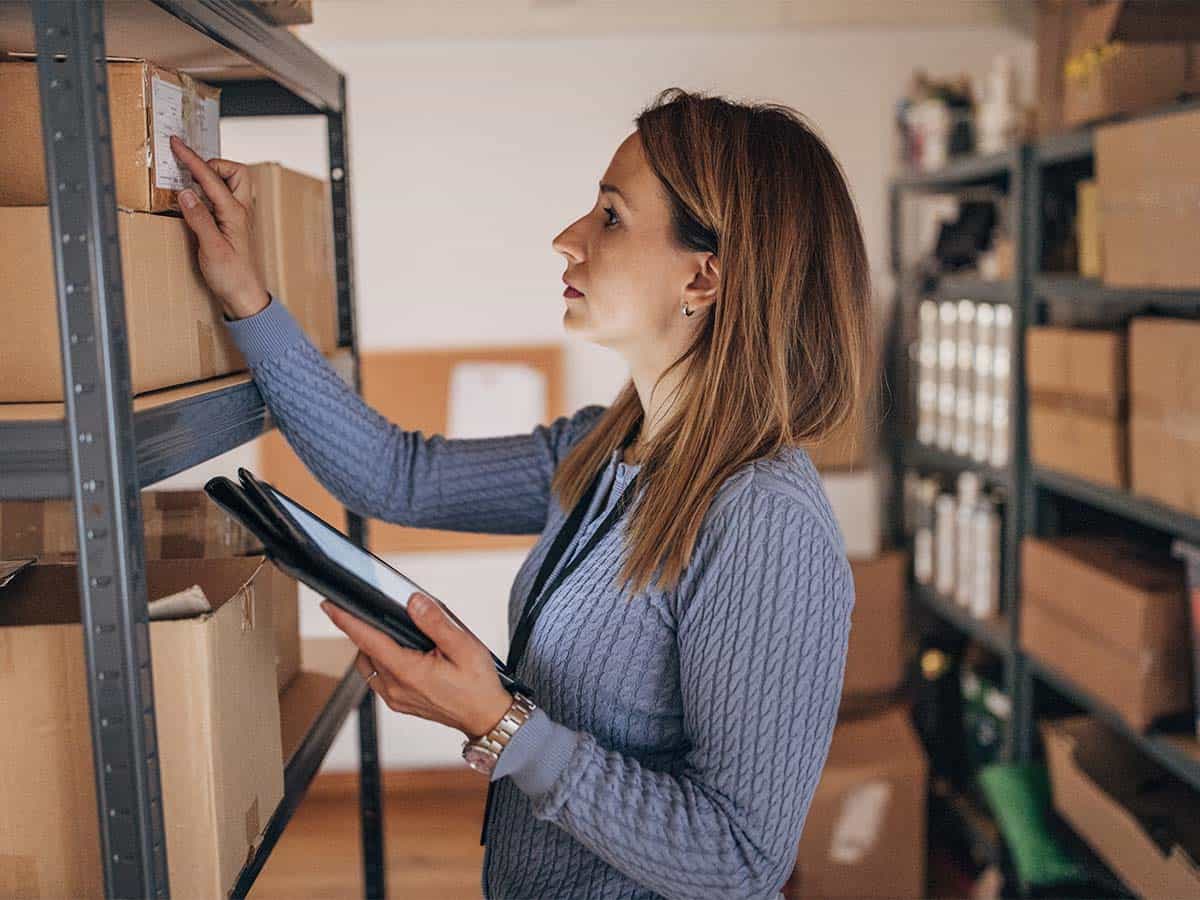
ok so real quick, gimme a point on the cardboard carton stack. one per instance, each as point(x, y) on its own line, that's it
point(1076, 381)
point(1112, 619)
point(175, 329)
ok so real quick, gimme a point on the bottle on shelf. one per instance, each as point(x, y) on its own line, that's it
point(985, 319)
point(969, 487)
point(945, 509)
point(985, 543)
point(964, 389)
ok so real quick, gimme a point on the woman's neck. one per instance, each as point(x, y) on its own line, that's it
point(655, 408)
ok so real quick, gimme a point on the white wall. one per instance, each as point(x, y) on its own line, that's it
point(468, 156)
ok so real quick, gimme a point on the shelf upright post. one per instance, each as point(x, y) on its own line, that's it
point(370, 780)
point(73, 88)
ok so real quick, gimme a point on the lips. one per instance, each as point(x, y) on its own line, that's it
point(571, 290)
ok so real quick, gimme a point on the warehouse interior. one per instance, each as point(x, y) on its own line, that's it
point(1019, 500)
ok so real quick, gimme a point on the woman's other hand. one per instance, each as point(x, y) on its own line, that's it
point(454, 684)
point(223, 235)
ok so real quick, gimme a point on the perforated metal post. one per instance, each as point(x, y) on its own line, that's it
point(73, 85)
point(370, 781)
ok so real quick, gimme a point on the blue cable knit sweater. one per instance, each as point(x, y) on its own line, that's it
point(680, 734)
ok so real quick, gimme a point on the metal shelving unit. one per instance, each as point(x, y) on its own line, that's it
point(101, 447)
point(1036, 490)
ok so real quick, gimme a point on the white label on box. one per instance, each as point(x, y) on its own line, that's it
point(196, 120)
point(859, 822)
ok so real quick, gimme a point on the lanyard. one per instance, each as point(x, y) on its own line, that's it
point(536, 601)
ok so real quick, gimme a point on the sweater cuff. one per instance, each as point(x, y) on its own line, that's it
point(269, 333)
point(537, 754)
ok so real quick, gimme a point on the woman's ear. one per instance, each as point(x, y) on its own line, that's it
point(705, 286)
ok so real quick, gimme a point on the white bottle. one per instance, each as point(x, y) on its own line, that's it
point(968, 496)
point(944, 539)
point(985, 600)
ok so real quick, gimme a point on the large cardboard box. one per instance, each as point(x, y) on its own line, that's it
point(177, 525)
point(1138, 818)
point(865, 831)
point(1164, 386)
point(1147, 172)
point(174, 325)
point(147, 104)
point(875, 660)
point(1110, 618)
point(1077, 390)
point(850, 446)
point(217, 727)
point(293, 237)
point(1125, 57)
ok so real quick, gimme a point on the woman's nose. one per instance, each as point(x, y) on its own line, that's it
point(568, 244)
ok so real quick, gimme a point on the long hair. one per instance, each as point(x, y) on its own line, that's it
point(779, 358)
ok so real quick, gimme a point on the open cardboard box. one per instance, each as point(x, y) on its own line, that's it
point(1144, 823)
point(217, 714)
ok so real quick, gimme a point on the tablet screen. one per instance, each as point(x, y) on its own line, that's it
point(350, 556)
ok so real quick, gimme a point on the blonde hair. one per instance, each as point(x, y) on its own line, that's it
point(780, 358)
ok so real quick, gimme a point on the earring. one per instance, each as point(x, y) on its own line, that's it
point(688, 311)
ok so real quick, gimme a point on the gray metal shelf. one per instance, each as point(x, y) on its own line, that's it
point(1090, 291)
point(1137, 509)
point(101, 446)
point(955, 287)
point(925, 457)
point(992, 633)
point(961, 171)
point(1178, 753)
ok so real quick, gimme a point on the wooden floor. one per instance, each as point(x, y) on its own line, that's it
point(431, 835)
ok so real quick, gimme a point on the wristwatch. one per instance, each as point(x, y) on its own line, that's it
point(483, 752)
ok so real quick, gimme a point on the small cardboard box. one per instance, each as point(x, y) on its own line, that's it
point(147, 104)
point(173, 324)
point(875, 660)
point(1077, 389)
point(217, 714)
point(1125, 57)
point(1125, 807)
point(1110, 618)
point(1148, 176)
point(1164, 385)
point(1088, 229)
point(865, 831)
point(293, 237)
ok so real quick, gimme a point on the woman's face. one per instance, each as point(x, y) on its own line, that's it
point(621, 255)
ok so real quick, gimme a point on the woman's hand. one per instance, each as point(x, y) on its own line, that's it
point(224, 253)
point(454, 684)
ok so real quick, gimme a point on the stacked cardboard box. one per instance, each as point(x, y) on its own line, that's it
point(1112, 619)
point(865, 831)
point(1164, 386)
point(1138, 819)
point(1076, 381)
point(177, 525)
point(218, 727)
point(875, 659)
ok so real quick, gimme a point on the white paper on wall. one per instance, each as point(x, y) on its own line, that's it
point(489, 399)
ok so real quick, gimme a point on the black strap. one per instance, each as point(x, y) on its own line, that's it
point(538, 597)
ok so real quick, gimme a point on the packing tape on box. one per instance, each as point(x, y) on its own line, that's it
point(206, 345)
point(22, 528)
point(1176, 423)
point(247, 600)
point(1064, 401)
point(18, 876)
point(252, 823)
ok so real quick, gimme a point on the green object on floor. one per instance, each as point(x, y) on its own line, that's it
point(1019, 796)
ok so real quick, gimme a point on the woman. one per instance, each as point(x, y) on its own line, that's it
point(686, 673)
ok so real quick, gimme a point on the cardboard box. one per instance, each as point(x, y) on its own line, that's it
point(293, 238)
point(217, 728)
point(1110, 618)
point(1125, 57)
point(147, 104)
point(1088, 229)
point(1053, 32)
point(177, 525)
point(1164, 385)
point(876, 658)
point(1125, 807)
point(865, 831)
point(1148, 173)
point(1077, 389)
point(857, 502)
point(174, 325)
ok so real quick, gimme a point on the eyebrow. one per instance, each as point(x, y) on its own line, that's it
point(606, 188)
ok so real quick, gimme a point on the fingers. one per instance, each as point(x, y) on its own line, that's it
point(455, 643)
point(213, 184)
point(199, 219)
point(237, 179)
point(376, 678)
point(384, 652)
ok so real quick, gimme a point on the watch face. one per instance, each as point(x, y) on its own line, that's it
point(480, 760)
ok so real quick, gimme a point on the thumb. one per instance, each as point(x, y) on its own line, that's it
point(429, 617)
point(199, 219)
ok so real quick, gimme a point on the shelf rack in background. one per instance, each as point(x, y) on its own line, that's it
point(1033, 292)
point(102, 446)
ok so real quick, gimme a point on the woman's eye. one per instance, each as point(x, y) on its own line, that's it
point(613, 220)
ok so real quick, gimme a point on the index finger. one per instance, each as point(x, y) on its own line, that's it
point(384, 651)
point(213, 184)
point(237, 179)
